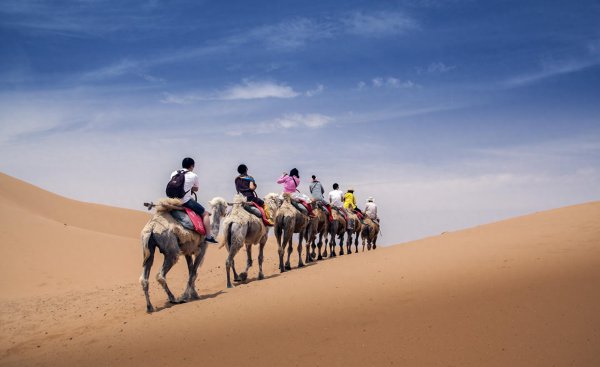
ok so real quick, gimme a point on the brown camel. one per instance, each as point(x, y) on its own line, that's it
point(163, 232)
point(369, 234)
point(337, 228)
point(318, 226)
point(242, 228)
point(288, 221)
point(353, 231)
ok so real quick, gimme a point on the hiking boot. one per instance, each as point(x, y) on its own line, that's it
point(211, 239)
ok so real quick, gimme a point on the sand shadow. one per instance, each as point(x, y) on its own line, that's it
point(168, 304)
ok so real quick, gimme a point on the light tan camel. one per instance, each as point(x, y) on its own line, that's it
point(288, 221)
point(369, 234)
point(354, 229)
point(318, 226)
point(242, 228)
point(337, 228)
point(163, 232)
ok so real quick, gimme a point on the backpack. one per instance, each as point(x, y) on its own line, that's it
point(175, 185)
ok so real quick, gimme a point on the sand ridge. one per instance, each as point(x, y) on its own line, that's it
point(516, 292)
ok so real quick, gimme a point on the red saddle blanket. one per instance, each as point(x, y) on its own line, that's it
point(262, 212)
point(196, 220)
point(306, 205)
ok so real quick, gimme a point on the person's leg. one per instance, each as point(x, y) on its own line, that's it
point(199, 209)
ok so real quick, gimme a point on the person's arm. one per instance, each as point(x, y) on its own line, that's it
point(252, 185)
point(196, 185)
point(283, 178)
point(322, 189)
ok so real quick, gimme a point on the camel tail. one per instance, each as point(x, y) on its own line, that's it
point(227, 236)
point(146, 238)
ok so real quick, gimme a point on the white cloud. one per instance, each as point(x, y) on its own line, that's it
point(389, 82)
point(378, 24)
point(286, 122)
point(313, 92)
point(288, 34)
point(437, 67)
point(247, 90)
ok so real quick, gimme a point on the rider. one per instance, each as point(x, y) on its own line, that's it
point(290, 185)
point(245, 185)
point(316, 189)
point(350, 203)
point(371, 209)
point(336, 200)
point(191, 184)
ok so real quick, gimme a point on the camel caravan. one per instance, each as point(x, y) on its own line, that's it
point(182, 226)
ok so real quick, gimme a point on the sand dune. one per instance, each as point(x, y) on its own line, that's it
point(518, 292)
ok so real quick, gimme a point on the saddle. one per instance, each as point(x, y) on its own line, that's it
point(189, 219)
point(323, 206)
point(303, 207)
point(255, 209)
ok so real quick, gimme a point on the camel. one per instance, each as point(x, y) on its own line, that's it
point(241, 227)
point(354, 229)
point(318, 226)
point(288, 221)
point(337, 228)
point(163, 232)
point(369, 234)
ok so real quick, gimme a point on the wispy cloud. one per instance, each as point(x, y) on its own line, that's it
point(387, 82)
point(550, 68)
point(286, 122)
point(313, 92)
point(437, 67)
point(377, 24)
point(288, 34)
point(245, 91)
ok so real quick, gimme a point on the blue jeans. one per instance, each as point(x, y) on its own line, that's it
point(193, 204)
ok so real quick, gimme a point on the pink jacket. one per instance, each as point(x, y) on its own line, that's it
point(289, 183)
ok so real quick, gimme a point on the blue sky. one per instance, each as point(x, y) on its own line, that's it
point(450, 113)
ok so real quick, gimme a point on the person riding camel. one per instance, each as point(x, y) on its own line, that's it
point(317, 191)
point(350, 203)
point(336, 200)
point(246, 185)
point(191, 184)
point(290, 184)
point(371, 209)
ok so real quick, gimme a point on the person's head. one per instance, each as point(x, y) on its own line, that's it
point(336, 186)
point(351, 190)
point(242, 169)
point(294, 172)
point(370, 199)
point(188, 163)
point(314, 177)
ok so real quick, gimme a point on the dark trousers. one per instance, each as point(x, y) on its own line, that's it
point(259, 201)
point(195, 206)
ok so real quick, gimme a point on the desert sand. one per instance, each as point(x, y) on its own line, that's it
point(521, 292)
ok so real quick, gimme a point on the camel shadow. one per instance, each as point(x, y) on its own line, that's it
point(168, 304)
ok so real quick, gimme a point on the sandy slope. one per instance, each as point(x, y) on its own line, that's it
point(519, 292)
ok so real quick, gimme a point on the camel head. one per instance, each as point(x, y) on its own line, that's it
point(219, 210)
point(273, 201)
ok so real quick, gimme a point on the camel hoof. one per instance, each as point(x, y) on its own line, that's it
point(301, 265)
point(149, 309)
point(374, 247)
point(261, 276)
point(243, 277)
point(288, 267)
point(320, 257)
point(229, 286)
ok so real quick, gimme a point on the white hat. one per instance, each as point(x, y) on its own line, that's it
point(370, 198)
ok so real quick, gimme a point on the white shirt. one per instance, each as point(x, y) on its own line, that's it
point(371, 210)
point(191, 180)
point(336, 198)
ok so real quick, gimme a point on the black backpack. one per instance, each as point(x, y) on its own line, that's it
point(175, 185)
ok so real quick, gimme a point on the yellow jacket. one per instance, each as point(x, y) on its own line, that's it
point(349, 200)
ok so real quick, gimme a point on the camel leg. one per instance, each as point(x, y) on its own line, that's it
point(244, 275)
point(288, 241)
point(261, 258)
point(349, 244)
point(308, 257)
point(170, 260)
point(356, 242)
point(144, 278)
point(300, 263)
point(280, 247)
point(190, 291)
point(320, 246)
